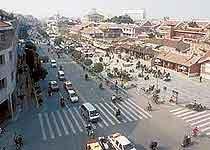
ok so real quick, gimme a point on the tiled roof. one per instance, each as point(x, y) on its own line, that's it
point(178, 58)
point(4, 24)
point(206, 57)
point(91, 30)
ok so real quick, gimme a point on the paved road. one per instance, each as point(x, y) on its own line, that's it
point(52, 127)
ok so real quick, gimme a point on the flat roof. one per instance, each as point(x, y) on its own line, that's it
point(89, 106)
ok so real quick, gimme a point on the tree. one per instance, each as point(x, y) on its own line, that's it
point(121, 19)
point(98, 67)
point(58, 40)
point(77, 55)
point(88, 62)
point(101, 59)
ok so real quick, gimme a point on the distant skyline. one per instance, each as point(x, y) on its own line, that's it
point(78, 8)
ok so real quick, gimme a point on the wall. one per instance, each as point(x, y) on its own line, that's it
point(194, 70)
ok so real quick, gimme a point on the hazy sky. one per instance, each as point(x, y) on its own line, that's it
point(154, 8)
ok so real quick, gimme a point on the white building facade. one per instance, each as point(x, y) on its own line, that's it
point(8, 61)
point(136, 15)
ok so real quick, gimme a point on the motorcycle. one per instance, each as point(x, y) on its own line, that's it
point(86, 77)
point(187, 141)
point(153, 145)
point(101, 86)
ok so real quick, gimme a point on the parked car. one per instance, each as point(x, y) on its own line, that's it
point(73, 96)
point(53, 85)
point(61, 75)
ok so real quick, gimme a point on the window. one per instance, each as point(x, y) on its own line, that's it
point(10, 55)
point(12, 76)
point(3, 38)
point(3, 83)
point(2, 59)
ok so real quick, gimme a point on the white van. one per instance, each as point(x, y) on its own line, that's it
point(61, 75)
point(89, 112)
point(73, 96)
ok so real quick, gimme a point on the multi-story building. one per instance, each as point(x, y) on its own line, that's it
point(136, 15)
point(8, 58)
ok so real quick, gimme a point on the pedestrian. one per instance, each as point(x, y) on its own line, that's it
point(200, 78)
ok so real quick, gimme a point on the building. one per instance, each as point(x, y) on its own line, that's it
point(8, 58)
point(205, 66)
point(111, 30)
point(93, 16)
point(136, 15)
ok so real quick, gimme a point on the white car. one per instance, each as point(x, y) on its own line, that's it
point(53, 63)
point(67, 85)
point(53, 85)
point(73, 96)
point(120, 142)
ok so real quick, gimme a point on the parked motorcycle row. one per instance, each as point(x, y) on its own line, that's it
point(196, 106)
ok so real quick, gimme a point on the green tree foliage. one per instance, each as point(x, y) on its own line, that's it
point(77, 55)
point(58, 40)
point(121, 19)
point(88, 62)
point(98, 67)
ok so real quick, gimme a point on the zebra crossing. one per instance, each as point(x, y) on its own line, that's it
point(69, 121)
point(194, 118)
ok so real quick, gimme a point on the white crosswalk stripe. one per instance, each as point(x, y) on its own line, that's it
point(56, 124)
point(75, 120)
point(174, 110)
point(62, 122)
point(187, 113)
point(129, 113)
point(182, 111)
point(194, 115)
point(199, 119)
point(81, 119)
point(114, 111)
point(97, 106)
point(202, 120)
point(42, 127)
point(49, 126)
point(142, 110)
point(69, 120)
point(142, 114)
point(128, 118)
point(133, 112)
point(196, 118)
point(113, 116)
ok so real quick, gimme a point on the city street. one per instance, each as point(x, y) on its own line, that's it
point(52, 127)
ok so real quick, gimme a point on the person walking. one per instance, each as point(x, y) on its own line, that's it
point(200, 79)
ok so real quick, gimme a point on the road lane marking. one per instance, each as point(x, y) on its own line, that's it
point(174, 110)
point(187, 113)
point(136, 110)
point(140, 108)
point(196, 118)
point(114, 111)
point(193, 115)
point(202, 125)
point(62, 122)
point(205, 129)
point(182, 111)
point(128, 118)
point(75, 120)
point(109, 113)
point(132, 116)
point(49, 126)
point(56, 124)
point(69, 121)
point(133, 112)
point(97, 106)
point(42, 127)
point(200, 121)
point(83, 122)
